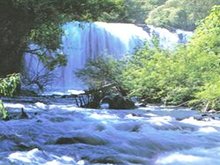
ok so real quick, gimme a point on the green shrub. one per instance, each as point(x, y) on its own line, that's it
point(3, 111)
point(102, 71)
point(8, 87)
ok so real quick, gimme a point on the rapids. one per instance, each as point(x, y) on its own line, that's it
point(59, 133)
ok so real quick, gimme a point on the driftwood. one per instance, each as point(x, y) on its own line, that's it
point(91, 98)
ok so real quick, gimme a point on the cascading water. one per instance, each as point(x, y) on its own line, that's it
point(83, 41)
point(58, 133)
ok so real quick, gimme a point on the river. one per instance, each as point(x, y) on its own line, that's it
point(59, 133)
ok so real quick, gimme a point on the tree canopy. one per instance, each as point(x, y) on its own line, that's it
point(184, 14)
point(25, 21)
point(189, 74)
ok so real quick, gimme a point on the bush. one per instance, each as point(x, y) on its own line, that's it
point(103, 71)
point(8, 87)
point(3, 112)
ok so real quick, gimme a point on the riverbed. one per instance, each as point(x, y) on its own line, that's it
point(59, 133)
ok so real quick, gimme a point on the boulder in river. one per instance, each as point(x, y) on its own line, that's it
point(23, 114)
point(118, 102)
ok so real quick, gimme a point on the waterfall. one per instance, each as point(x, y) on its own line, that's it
point(83, 41)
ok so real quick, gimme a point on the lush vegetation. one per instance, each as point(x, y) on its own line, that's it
point(8, 87)
point(187, 76)
point(103, 71)
point(184, 14)
point(25, 21)
point(3, 111)
point(30, 21)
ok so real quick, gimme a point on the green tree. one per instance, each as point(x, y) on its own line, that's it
point(102, 71)
point(136, 11)
point(188, 75)
point(205, 45)
point(25, 21)
point(184, 14)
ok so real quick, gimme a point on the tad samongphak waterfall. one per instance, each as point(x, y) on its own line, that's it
point(83, 41)
point(54, 131)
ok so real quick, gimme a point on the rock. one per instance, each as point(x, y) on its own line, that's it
point(141, 105)
point(83, 140)
point(92, 104)
point(198, 118)
point(212, 111)
point(26, 92)
point(204, 117)
point(23, 114)
point(136, 115)
point(106, 160)
point(118, 102)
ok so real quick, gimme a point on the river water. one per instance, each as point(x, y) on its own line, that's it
point(59, 133)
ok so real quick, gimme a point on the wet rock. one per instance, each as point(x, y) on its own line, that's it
point(198, 117)
point(23, 114)
point(136, 128)
point(205, 117)
point(118, 102)
point(136, 115)
point(84, 140)
point(25, 92)
point(141, 105)
point(212, 111)
point(24, 147)
point(107, 160)
point(92, 104)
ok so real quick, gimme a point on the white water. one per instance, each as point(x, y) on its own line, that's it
point(61, 134)
point(83, 41)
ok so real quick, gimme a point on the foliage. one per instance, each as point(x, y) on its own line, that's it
point(25, 21)
point(205, 45)
point(8, 87)
point(151, 76)
point(136, 11)
point(190, 74)
point(3, 111)
point(102, 71)
point(184, 14)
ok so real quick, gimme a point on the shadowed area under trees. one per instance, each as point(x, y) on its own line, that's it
point(25, 21)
